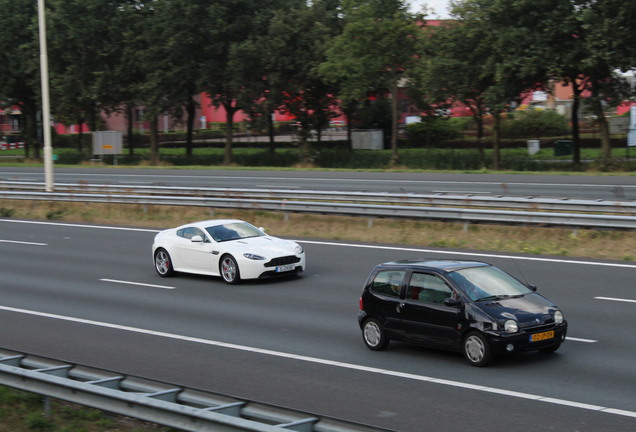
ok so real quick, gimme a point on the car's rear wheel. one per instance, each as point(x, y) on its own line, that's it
point(477, 349)
point(373, 335)
point(229, 270)
point(163, 263)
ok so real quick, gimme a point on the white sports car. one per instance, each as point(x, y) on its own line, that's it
point(230, 248)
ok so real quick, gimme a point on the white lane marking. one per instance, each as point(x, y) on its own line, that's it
point(81, 225)
point(24, 242)
point(137, 283)
point(488, 255)
point(581, 340)
point(325, 243)
point(616, 299)
point(333, 363)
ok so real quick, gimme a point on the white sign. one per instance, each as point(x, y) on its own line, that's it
point(539, 96)
point(631, 136)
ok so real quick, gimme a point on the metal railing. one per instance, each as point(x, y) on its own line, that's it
point(564, 212)
point(161, 403)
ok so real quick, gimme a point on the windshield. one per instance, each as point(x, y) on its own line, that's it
point(233, 231)
point(485, 283)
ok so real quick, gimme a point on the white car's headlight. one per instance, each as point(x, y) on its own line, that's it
point(511, 326)
point(253, 256)
point(298, 249)
point(558, 317)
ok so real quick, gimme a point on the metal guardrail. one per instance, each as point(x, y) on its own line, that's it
point(437, 199)
point(441, 207)
point(157, 402)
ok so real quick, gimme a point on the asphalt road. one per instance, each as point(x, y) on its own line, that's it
point(570, 186)
point(90, 295)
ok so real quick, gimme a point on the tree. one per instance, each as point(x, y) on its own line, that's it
point(296, 41)
point(174, 56)
point(85, 46)
point(570, 40)
point(230, 24)
point(19, 66)
point(374, 53)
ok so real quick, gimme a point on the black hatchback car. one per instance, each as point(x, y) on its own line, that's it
point(466, 306)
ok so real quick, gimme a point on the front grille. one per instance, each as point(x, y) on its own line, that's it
point(291, 259)
point(533, 328)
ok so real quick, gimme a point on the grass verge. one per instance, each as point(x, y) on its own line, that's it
point(602, 244)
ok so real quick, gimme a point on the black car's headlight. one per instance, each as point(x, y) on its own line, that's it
point(253, 256)
point(511, 326)
point(558, 317)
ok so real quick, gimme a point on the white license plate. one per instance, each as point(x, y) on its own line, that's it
point(285, 268)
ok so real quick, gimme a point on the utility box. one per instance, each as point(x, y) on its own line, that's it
point(367, 139)
point(107, 143)
point(534, 146)
point(562, 147)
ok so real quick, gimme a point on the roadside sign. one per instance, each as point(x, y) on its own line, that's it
point(631, 136)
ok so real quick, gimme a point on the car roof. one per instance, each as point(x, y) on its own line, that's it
point(211, 222)
point(436, 264)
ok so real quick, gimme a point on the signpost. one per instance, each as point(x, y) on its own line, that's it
point(107, 143)
point(631, 135)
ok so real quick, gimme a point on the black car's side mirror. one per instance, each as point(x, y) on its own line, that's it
point(451, 302)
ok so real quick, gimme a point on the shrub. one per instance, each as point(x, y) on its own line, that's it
point(535, 124)
point(431, 131)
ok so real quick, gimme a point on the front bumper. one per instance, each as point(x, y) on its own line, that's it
point(522, 340)
point(256, 269)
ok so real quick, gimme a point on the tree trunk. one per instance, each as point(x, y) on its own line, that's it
point(190, 112)
point(154, 141)
point(606, 147)
point(395, 157)
point(129, 129)
point(576, 139)
point(29, 131)
point(80, 134)
point(229, 133)
point(576, 150)
point(270, 128)
point(496, 141)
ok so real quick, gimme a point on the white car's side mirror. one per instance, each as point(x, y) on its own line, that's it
point(196, 239)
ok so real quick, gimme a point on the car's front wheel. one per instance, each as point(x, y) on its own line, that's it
point(229, 270)
point(477, 349)
point(373, 335)
point(163, 263)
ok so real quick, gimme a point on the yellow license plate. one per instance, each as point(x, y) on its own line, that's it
point(542, 336)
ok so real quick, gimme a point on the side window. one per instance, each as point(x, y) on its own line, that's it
point(428, 288)
point(388, 283)
point(190, 232)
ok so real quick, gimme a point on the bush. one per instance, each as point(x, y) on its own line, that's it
point(431, 131)
point(535, 124)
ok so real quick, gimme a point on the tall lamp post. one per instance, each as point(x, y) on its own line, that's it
point(46, 108)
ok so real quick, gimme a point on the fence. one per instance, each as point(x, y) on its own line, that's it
point(162, 403)
point(563, 212)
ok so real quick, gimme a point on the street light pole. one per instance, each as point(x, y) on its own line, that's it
point(46, 109)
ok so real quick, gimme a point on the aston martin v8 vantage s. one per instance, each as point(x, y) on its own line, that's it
point(230, 248)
